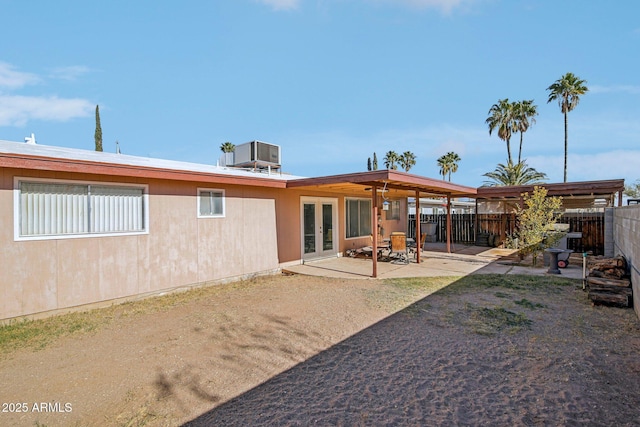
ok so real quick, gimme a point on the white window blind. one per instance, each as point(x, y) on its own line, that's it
point(116, 209)
point(48, 209)
point(211, 203)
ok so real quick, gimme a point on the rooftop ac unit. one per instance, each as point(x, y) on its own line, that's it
point(257, 154)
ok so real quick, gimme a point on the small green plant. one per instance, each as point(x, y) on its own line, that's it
point(536, 218)
point(528, 304)
point(492, 320)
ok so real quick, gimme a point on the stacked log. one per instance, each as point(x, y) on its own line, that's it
point(608, 281)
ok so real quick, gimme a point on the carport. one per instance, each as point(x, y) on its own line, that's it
point(393, 183)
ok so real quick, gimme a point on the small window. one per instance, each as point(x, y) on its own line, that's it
point(210, 203)
point(394, 210)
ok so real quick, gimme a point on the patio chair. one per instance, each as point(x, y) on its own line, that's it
point(415, 248)
point(399, 247)
point(382, 246)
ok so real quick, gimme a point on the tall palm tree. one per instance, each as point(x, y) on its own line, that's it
point(407, 160)
point(227, 147)
point(524, 116)
point(390, 160)
point(501, 118)
point(510, 174)
point(453, 160)
point(567, 90)
point(448, 164)
point(444, 166)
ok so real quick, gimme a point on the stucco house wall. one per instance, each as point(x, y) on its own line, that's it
point(179, 250)
point(288, 206)
point(259, 233)
point(626, 242)
point(43, 271)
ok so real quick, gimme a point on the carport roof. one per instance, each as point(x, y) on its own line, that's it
point(584, 191)
point(398, 183)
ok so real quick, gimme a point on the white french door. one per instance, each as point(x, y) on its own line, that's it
point(319, 227)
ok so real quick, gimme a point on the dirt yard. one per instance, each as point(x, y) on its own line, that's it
point(297, 350)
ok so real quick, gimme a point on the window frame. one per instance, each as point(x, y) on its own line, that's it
point(347, 217)
point(17, 211)
point(223, 199)
point(394, 210)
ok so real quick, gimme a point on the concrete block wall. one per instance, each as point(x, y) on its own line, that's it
point(626, 242)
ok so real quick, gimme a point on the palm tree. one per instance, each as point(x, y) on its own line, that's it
point(567, 90)
point(524, 116)
point(453, 160)
point(510, 174)
point(407, 160)
point(443, 164)
point(501, 117)
point(227, 147)
point(390, 160)
point(448, 164)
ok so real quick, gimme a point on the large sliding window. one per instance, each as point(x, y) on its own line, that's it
point(74, 209)
point(358, 217)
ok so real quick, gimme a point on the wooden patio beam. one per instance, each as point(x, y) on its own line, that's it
point(418, 236)
point(374, 230)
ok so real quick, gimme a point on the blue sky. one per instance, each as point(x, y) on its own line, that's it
point(330, 81)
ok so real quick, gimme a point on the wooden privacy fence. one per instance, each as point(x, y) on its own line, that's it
point(462, 226)
point(591, 225)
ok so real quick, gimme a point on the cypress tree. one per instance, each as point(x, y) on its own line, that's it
point(375, 161)
point(98, 134)
point(369, 164)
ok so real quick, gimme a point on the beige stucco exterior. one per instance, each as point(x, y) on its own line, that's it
point(260, 232)
point(289, 222)
point(179, 250)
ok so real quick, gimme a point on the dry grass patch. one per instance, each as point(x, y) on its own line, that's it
point(37, 334)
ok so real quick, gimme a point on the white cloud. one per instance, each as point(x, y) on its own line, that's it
point(17, 110)
point(281, 4)
point(69, 73)
point(628, 89)
point(446, 6)
point(12, 79)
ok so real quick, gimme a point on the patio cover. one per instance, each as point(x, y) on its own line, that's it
point(580, 194)
point(396, 184)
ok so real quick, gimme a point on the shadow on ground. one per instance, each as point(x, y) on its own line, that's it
point(501, 350)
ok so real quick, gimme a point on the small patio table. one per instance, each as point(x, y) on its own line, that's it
point(553, 260)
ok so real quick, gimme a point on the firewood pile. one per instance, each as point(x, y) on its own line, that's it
point(608, 281)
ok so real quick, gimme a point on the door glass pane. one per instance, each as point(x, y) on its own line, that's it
point(327, 227)
point(309, 214)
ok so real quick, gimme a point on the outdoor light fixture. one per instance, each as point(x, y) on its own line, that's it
point(385, 204)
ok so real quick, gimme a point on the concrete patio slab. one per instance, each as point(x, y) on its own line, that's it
point(435, 261)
